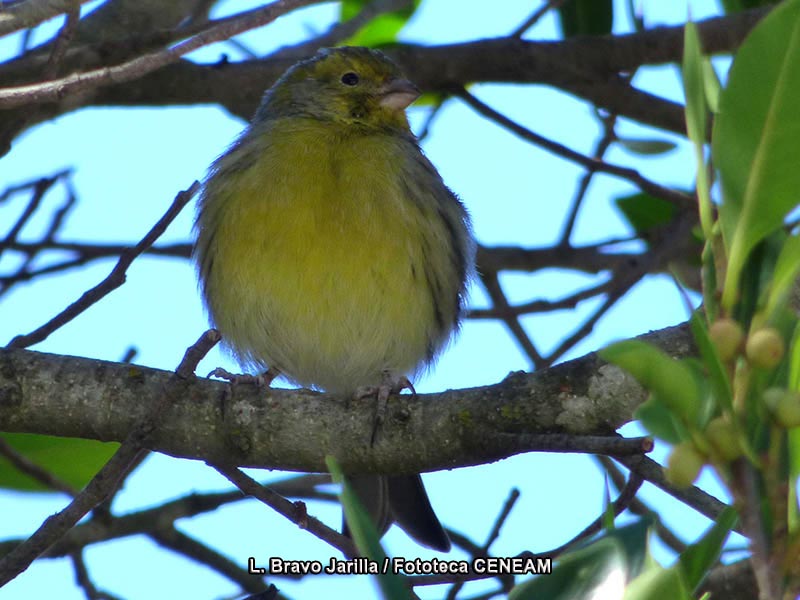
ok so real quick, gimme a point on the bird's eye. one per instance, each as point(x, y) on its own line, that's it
point(350, 78)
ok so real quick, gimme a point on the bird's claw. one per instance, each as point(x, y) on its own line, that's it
point(391, 384)
point(264, 379)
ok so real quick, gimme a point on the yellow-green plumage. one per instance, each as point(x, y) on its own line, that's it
point(328, 246)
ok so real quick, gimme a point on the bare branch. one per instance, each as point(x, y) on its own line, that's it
point(651, 471)
point(115, 279)
point(588, 67)
point(222, 29)
point(171, 538)
point(102, 484)
point(294, 511)
point(632, 175)
point(84, 581)
point(554, 409)
point(23, 15)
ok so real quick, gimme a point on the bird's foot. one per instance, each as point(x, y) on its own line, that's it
point(264, 379)
point(391, 384)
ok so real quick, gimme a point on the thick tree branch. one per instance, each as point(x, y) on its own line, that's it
point(135, 68)
point(295, 429)
point(589, 67)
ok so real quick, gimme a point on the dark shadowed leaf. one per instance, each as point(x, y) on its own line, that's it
point(586, 17)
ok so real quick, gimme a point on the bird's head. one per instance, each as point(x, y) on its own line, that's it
point(347, 85)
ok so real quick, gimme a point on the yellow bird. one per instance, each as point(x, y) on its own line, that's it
point(329, 249)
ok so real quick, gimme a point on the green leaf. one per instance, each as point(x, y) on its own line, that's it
point(586, 17)
point(709, 277)
point(793, 441)
point(597, 569)
point(365, 535)
point(794, 360)
point(647, 147)
point(737, 5)
point(756, 138)
point(608, 517)
point(756, 278)
point(697, 119)
point(660, 421)
point(711, 86)
point(75, 461)
point(695, 562)
point(717, 375)
point(785, 274)
point(579, 574)
point(657, 583)
point(793, 435)
point(379, 31)
point(633, 539)
point(645, 212)
point(671, 381)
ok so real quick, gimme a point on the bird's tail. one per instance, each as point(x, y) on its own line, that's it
point(402, 500)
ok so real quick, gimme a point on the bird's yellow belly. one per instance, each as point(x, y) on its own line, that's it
point(326, 274)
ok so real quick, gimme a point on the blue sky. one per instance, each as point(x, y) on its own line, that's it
point(129, 164)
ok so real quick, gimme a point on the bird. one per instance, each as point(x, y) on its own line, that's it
point(330, 251)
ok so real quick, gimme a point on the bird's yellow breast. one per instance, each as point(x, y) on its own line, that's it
point(321, 257)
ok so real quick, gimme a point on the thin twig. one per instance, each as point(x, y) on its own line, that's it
point(171, 538)
point(502, 307)
point(431, 117)
point(638, 507)
point(651, 471)
point(632, 175)
point(623, 501)
point(534, 18)
point(618, 506)
point(40, 188)
point(62, 42)
point(27, 185)
point(540, 306)
point(602, 146)
point(342, 30)
point(141, 522)
point(493, 535)
point(56, 220)
point(34, 471)
point(501, 518)
point(114, 280)
point(585, 259)
point(107, 479)
point(619, 287)
point(84, 581)
point(294, 511)
point(93, 251)
point(55, 526)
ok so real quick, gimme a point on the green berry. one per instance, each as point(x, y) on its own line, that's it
point(765, 348)
point(727, 336)
point(784, 406)
point(683, 465)
point(722, 435)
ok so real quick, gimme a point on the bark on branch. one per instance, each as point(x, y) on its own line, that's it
point(591, 68)
point(295, 429)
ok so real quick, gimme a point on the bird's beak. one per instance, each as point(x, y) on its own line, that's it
point(397, 94)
